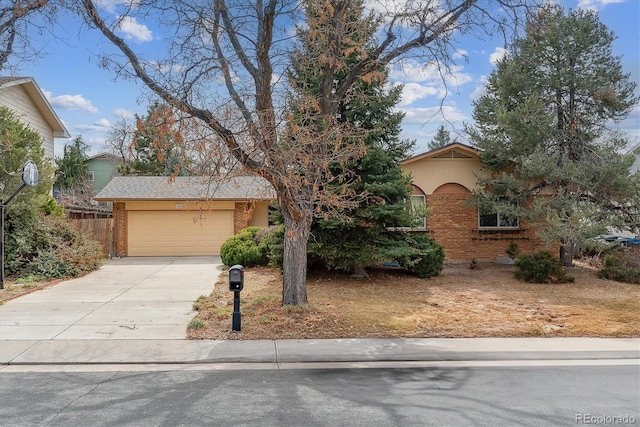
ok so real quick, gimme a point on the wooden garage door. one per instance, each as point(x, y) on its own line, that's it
point(171, 233)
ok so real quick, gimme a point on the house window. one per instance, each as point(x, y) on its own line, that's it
point(90, 176)
point(418, 208)
point(497, 220)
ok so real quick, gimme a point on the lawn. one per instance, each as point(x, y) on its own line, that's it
point(486, 301)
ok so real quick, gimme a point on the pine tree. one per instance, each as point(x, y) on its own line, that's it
point(542, 130)
point(356, 238)
point(72, 166)
point(441, 139)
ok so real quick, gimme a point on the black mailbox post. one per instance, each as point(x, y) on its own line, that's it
point(236, 283)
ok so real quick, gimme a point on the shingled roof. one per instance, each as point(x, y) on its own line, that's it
point(185, 188)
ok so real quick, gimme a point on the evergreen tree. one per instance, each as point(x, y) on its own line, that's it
point(72, 166)
point(441, 139)
point(542, 130)
point(156, 145)
point(361, 235)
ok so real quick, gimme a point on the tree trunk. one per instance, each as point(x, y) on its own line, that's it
point(566, 252)
point(294, 266)
point(360, 273)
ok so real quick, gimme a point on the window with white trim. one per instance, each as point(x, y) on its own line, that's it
point(90, 176)
point(418, 208)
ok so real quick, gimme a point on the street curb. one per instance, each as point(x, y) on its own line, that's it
point(96, 352)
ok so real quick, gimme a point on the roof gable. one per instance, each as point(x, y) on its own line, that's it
point(40, 101)
point(106, 156)
point(455, 150)
point(185, 188)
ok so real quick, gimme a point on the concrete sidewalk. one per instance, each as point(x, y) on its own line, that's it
point(48, 352)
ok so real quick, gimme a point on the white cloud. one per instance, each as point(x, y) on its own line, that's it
point(497, 55)
point(408, 71)
point(436, 114)
point(123, 114)
point(480, 89)
point(132, 30)
point(71, 102)
point(421, 81)
point(101, 125)
point(597, 4)
point(412, 92)
point(460, 54)
point(112, 5)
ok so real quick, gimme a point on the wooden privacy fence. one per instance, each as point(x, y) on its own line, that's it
point(100, 230)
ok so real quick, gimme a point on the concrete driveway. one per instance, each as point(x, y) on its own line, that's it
point(127, 298)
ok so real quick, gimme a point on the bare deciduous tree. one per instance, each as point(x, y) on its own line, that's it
point(17, 25)
point(226, 66)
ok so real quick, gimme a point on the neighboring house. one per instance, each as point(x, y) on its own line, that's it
point(163, 216)
point(23, 96)
point(443, 179)
point(102, 168)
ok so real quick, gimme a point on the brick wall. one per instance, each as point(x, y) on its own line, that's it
point(120, 218)
point(454, 225)
point(241, 216)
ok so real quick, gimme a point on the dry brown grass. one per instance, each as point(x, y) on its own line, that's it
point(483, 302)
point(12, 290)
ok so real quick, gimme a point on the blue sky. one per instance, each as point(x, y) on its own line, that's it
point(89, 100)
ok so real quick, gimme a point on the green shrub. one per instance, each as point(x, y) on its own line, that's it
point(271, 243)
point(196, 324)
point(542, 267)
point(513, 250)
point(243, 249)
point(622, 265)
point(51, 248)
point(420, 255)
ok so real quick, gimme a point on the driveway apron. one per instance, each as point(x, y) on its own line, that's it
point(127, 298)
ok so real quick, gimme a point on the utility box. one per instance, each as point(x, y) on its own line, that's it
point(236, 278)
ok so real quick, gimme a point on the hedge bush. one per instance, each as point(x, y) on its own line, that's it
point(622, 265)
point(51, 249)
point(243, 249)
point(542, 267)
point(253, 246)
point(422, 256)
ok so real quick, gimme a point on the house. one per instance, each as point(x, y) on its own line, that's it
point(192, 216)
point(23, 96)
point(443, 180)
point(164, 216)
point(102, 168)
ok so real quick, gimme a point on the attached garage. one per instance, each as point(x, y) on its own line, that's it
point(186, 216)
point(183, 233)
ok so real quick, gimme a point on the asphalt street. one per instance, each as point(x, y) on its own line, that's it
point(403, 396)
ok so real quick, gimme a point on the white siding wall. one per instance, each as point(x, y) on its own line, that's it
point(16, 99)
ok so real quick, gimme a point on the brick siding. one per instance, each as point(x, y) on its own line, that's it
point(454, 225)
point(120, 218)
point(241, 216)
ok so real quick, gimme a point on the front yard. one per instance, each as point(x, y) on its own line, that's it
point(483, 302)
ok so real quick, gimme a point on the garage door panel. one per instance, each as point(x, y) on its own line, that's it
point(169, 233)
